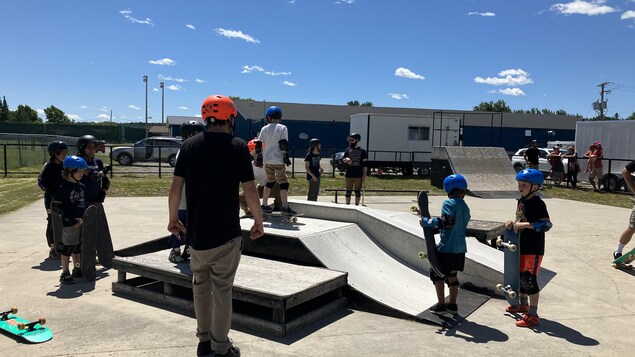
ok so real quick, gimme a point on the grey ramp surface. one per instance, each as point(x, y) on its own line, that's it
point(488, 170)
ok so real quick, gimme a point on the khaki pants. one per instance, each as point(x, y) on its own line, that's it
point(213, 272)
point(275, 193)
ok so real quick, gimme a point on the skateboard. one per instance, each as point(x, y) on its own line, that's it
point(56, 221)
point(90, 226)
point(511, 274)
point(32, 331)
point(624, 262)
point(428, 234)
point(284, 218)
point(105, 250)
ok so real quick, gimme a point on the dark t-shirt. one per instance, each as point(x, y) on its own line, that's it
point(532, 210)
point(359, 158)
point(532, 155)
point(630, 167)
point(50, 178)
point(213, 166)
point(72, 203)
point(314, 164)
point(92, 180)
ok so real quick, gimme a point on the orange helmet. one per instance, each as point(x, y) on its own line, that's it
point(252, 145)
point(218, 107)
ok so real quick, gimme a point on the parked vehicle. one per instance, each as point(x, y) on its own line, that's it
point(519, 163)
point(154, 149)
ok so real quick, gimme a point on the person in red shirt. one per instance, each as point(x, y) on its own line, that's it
point(595, 161)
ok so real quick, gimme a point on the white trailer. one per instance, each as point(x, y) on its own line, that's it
point(404, 142)
point(618, 141)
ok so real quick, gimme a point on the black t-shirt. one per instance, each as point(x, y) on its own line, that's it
point(50, 178)
point(314, 164)
point(532, 210)
point(92, 180)
point(359, 158)
point(213, 166)
point(630, 167)
point(72, 203)
point(532, 155)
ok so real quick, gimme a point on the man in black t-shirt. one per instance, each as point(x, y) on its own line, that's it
point(531, 156)
point(630, 230)
point(212, 165)
point(356, 159)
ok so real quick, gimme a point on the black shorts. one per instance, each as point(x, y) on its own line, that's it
point(449, 262)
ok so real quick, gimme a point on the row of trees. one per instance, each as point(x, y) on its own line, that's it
point(26, 114)
point(501, 107)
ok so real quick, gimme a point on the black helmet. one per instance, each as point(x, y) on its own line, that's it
point(56, 147)
point(191, 127)
point(314, 142)
point(83, 141)
point(355, 136)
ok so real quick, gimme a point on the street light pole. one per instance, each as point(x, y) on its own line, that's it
point(162, 101)
point(145, 80)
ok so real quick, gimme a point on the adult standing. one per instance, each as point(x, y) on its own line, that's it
point(630, 230)
point(212, 165)
point(356, 159)
point(573, 167)
point(595, 156)
point(532, 154)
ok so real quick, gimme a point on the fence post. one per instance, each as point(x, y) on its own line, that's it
point(4, 146)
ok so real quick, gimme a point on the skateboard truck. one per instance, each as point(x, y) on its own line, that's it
point(5, 314)
point(508, 245)
point(507, 290)
point(30, 326)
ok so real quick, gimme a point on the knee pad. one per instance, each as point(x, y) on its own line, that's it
point(270, 184)
point(348, 193)
point(528, 283)
point(258, 147)
point(434, 277)
point(284, 186)
point(358, 193)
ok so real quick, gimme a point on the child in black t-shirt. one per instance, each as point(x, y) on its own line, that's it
point(532, 221)
point(49, 181)
point(313, 169)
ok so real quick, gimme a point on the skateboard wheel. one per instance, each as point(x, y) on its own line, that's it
point(41, 321)
point(14, 310)
point(499, 242)
point(499, 287)
point(294, 219)
point(21, 326)
point(423, 255)
point(512, 294)
point(512, 247)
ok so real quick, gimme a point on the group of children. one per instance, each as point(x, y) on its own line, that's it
point(71, 184)
point(532, 221)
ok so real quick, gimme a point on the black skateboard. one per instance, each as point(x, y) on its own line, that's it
point(96, 241)
point(105, 250)
point(428, 234)
point(281, 216)
point(58, 227)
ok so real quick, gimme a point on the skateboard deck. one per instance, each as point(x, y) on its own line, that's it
point(105, 251)
point(90, 227)
point(56, 221)
point(428, 234)
point(31, 331)
point(283, 217)
point(511, 273)
point(624, 262)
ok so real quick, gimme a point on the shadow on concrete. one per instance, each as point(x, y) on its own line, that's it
point(78, 289)
point(556, 329)
point(472, 332)
point(48, 264)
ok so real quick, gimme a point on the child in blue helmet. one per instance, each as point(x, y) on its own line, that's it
point(70, 199)
point(532, 221)
point(455, 214)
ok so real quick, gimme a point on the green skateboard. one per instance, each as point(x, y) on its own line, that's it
point(31, 331)
point(624, 262)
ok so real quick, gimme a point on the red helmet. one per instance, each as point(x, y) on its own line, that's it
point(218, 107)
point(596, 143)
point(252, 145)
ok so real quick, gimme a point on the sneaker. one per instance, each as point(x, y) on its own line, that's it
point(232, 352)
point(288, 211)
point(66, 278)
point(186, 253)
point(77, 273)
point(204, 349)
point(266, 209)
point(616, 255)
point(175, 256)
point(452, 308)
point(517, 309)
point(53, 254)
point(528, 321)
point(438, 309)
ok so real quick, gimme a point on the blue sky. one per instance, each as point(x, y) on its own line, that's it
point(88, 57)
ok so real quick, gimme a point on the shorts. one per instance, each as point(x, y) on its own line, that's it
point(276, 172)
point(532, 166)
point(529, 269)
point(449, 262)
point(631, 222)
point(353, 183)
point(597, 172)
point(71, 235)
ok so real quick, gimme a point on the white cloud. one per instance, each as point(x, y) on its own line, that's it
point(291, 2)
point(191, 27)
point(163, 62)
point(170, 78)
point(155, 89)
point(128, 15)
point(199, 80)
point(484, 14)
point(257, 68)
point(406, 73)
point(512, 91)
point(104, 109)
point(183, 108)
point(290, 84)
point(103, 116)
point(582, 7)
point(236, 34)
point(132, 106)
point(345, 2)
point(509, 77)
point(174, 87)
point(630, 14)
point(83, 106)
point(74, 117)
point(40, 111)
point(398, 96)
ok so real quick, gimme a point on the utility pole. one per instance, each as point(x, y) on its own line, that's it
point(145, 80)
point(602, 91)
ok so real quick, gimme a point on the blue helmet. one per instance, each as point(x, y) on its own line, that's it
point(454, 181)
point(75, 162)
point(273, 112)
point(533, 176)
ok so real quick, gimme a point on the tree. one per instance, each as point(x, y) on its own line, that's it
point(353, 103)
point(56, 116)
point(500, 106)
point(24, 114)
point(366, 104)
point(234, 97)
point(4, 110)
point(631, 117)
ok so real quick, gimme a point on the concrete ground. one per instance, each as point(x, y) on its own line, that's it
point(586, 309)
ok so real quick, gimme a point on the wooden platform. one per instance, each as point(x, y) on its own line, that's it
point(269, 296)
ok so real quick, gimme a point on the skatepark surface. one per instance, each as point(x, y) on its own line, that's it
point(583, 309)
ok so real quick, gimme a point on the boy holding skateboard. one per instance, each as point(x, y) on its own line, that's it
point(630, 230)
point(455, 214)
point(532, 221)
point(49, 181)
point(70, 200)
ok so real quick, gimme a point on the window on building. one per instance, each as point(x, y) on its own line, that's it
point(419, 133)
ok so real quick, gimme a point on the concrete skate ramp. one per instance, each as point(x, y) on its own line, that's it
point(488, 170)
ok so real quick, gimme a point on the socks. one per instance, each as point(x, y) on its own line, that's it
point(619, 248)
point(524, 300)
point(533, 311)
